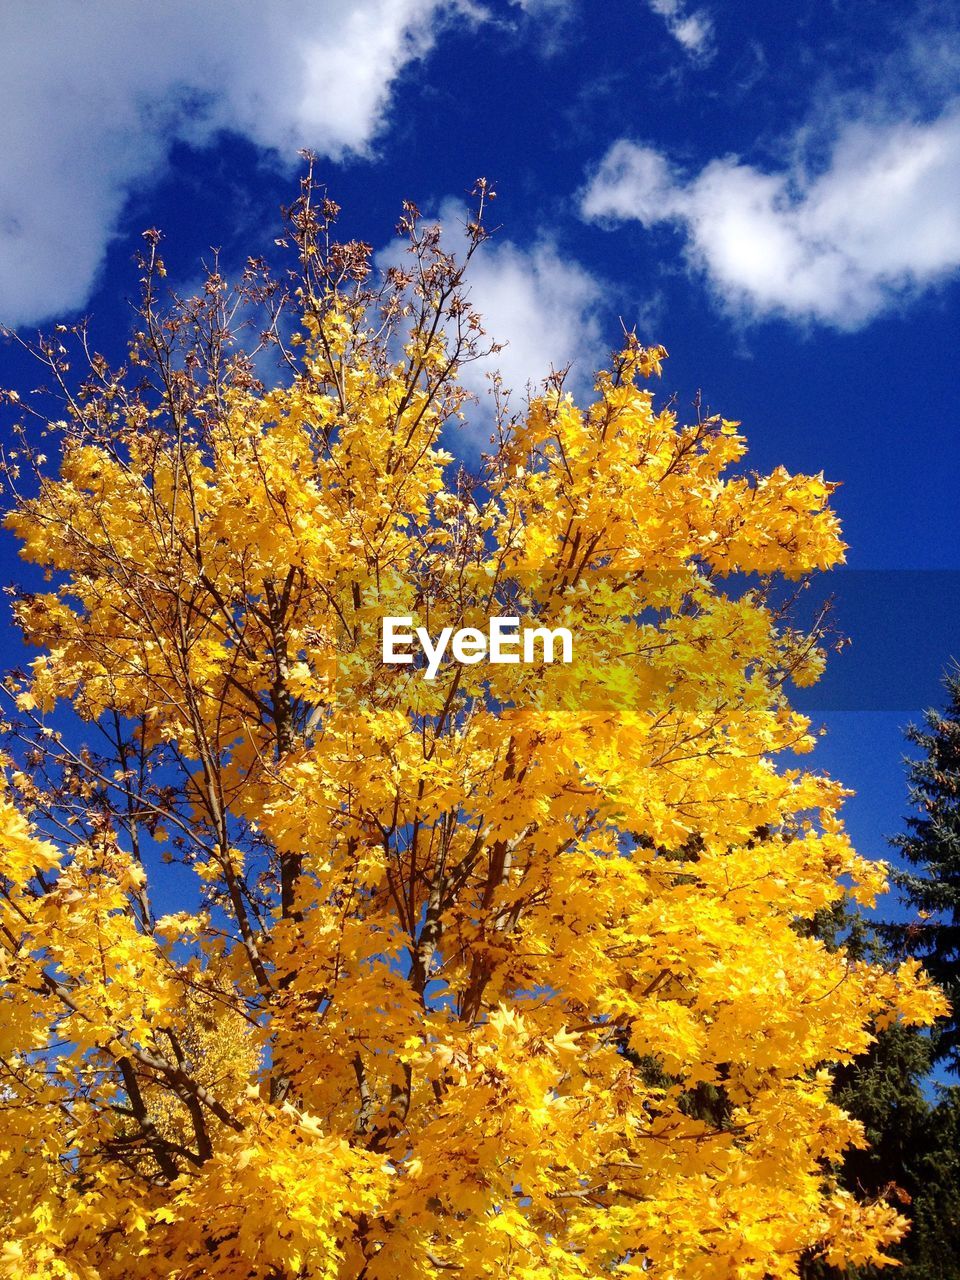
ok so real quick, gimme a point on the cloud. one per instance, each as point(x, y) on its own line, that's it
point(549, 22)
point(91, 103)
point(875, 224)
point(692, 29)
point(544, 307)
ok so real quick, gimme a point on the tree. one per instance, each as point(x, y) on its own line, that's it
point(913, 1156)
point(316, 967)
point(931, 844)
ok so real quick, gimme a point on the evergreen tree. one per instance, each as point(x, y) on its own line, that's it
point(913, 1157)
point(931, 845)
point(914, 1154)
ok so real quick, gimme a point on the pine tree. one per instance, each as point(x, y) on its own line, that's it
point(931, 844)
point(933, 1247)
point(913, 1156)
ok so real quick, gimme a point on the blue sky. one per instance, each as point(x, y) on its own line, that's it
point(771, 191)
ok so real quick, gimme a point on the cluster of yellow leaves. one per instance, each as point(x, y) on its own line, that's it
point(495, 976)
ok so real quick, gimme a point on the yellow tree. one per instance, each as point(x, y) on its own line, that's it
point(317, 965)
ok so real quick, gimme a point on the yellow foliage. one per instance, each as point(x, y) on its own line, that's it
point(444, 971)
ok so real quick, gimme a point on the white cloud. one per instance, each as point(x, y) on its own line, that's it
point(692, 29)
point(879, 222)
point(544, 307)
point(93, 94)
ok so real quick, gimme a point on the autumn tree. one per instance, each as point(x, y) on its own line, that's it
point(316, 967)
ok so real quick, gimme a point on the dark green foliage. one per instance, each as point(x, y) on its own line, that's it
point(931, 845)
point(935, 1247)
point(913, 1130)
point(914, 1155)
